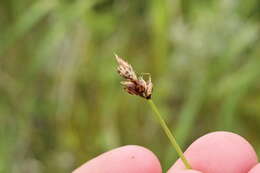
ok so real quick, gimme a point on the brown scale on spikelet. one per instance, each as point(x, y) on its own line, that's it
point(133, 85)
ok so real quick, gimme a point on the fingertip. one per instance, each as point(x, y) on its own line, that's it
point(255, 169)
point(223, 152)
point(127, 159)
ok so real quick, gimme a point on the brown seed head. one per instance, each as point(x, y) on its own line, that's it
point(133, 85)
point(125, 70)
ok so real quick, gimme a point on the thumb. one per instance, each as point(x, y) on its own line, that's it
point(127, 159)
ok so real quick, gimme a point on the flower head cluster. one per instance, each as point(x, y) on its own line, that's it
point(134, 84)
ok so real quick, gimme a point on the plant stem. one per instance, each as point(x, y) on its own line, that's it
point(169, 134)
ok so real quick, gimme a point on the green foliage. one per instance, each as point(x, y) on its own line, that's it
point(61, 102)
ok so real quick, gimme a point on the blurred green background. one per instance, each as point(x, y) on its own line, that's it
point(61, 103)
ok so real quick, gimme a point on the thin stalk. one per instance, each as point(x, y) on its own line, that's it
point(169, 134)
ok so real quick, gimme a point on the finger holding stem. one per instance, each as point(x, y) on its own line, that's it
point(136, 85)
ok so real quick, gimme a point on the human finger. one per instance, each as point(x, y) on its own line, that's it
point(127, 159)
point(219, 152)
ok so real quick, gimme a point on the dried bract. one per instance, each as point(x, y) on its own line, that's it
point(134, 85)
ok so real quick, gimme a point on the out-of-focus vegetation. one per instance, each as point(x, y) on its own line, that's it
point(61, 103)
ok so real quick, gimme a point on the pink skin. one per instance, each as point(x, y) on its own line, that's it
point(218, 152)
point(255, 169)
point(127, 159)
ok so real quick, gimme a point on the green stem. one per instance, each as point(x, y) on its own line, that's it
point(169, 134)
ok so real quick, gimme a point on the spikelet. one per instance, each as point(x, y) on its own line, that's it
point(134, 85)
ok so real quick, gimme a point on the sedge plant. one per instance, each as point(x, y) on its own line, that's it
point(136, 85)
